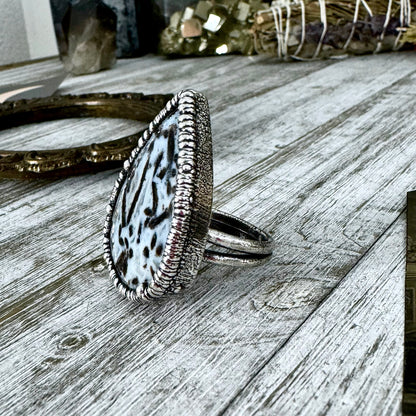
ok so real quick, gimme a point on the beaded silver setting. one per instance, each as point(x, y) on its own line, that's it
point(192, 201)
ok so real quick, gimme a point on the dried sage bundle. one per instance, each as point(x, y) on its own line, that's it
point(305, 29)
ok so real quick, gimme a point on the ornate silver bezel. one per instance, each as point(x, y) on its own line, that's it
point(187, 237)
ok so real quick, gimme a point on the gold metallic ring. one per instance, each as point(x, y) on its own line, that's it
point(76, 160)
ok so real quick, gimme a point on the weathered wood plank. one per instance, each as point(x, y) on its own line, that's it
point(170, 76)
point(67, 133)
point(326, 216)
point(266, 99)
point(30, 73)
point(220, 165)
point(347, 357)
point(327, 197)
point(284, 126)
point(219, 77)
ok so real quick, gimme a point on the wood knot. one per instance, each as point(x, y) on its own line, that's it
point(73, 342)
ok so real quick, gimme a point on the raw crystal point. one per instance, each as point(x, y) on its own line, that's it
point(143, 212)
point(89, 29)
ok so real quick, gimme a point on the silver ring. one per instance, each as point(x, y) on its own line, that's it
point(160, 218)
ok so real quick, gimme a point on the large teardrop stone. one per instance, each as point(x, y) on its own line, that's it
point(143, 211)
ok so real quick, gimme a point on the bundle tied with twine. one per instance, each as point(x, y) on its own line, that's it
point(312, 29)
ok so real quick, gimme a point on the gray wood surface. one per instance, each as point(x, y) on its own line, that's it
point(320, 154)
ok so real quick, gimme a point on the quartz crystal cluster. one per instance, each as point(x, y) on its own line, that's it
point(212, 28)
point(87, 37)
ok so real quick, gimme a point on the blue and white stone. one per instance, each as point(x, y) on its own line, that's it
point(143, 211)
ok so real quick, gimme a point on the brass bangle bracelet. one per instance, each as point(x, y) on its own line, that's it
point(75, 160)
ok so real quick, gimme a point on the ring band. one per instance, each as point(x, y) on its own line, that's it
point(235, 234)
point(160, 218)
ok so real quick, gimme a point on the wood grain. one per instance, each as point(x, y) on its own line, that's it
point(340, 362)
point(31, 73)
point(324, 169)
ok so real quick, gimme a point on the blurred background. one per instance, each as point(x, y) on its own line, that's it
point(27, 27)
point(90, 35)
point(26, 31)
